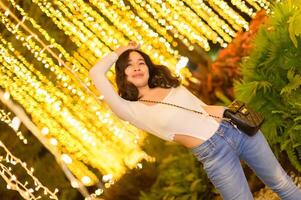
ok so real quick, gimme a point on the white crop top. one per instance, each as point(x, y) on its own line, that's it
point(158, 119)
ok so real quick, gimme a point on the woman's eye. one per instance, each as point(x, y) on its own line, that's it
point(131, 65)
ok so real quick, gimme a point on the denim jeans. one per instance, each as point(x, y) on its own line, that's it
point(221, 155)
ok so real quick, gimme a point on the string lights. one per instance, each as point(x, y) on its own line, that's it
point(13, 123)
point(62, 159)
point(26, 190)
point(61, 136)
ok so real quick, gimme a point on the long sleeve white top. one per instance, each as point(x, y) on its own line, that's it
point(161, 120)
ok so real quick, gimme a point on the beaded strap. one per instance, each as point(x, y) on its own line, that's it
point(224, 118)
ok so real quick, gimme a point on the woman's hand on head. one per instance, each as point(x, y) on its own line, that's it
point(131, 45)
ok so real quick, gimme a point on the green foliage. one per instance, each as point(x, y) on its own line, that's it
point(294, 24)
point(181, 177)
point(272, 79)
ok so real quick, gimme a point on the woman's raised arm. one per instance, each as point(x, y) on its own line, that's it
point(97, 73)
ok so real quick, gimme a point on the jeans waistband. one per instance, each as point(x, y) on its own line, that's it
point(223, 126)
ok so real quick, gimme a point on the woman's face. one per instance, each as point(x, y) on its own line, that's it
point(137, 70)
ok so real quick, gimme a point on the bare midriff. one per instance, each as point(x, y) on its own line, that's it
point(187, 141)
point(190, 141)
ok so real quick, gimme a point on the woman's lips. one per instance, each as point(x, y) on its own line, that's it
point(138, 75)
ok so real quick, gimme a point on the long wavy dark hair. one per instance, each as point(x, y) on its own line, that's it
point(159, 76)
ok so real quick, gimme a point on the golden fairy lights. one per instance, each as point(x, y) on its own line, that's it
point(61, 135)
point(13, 123)
point(8, 160)
point(62, 159)
point(58, 93)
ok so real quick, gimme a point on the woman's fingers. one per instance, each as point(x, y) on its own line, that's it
point(133, 44)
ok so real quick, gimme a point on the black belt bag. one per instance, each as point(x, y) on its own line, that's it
point(245, 118)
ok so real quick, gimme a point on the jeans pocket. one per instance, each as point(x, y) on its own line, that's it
point(205, 153)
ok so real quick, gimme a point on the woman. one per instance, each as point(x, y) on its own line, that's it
point(217, 144)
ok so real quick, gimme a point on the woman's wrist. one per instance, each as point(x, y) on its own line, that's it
point(115, 53)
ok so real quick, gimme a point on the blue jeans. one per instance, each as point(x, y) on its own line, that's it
point(221, 155)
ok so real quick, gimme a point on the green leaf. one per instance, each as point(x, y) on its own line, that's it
point(194, 196)
point(297, 118)
point(284, 145)
point(295, 27)
point(195, 185)
point(184, 197)
point(175, 190)
point(294, 82)
point(190, 177)
point(298, 127)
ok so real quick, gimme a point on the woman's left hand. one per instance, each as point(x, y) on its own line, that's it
point(131, 45)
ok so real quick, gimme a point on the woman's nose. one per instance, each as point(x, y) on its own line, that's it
point(136, 68)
